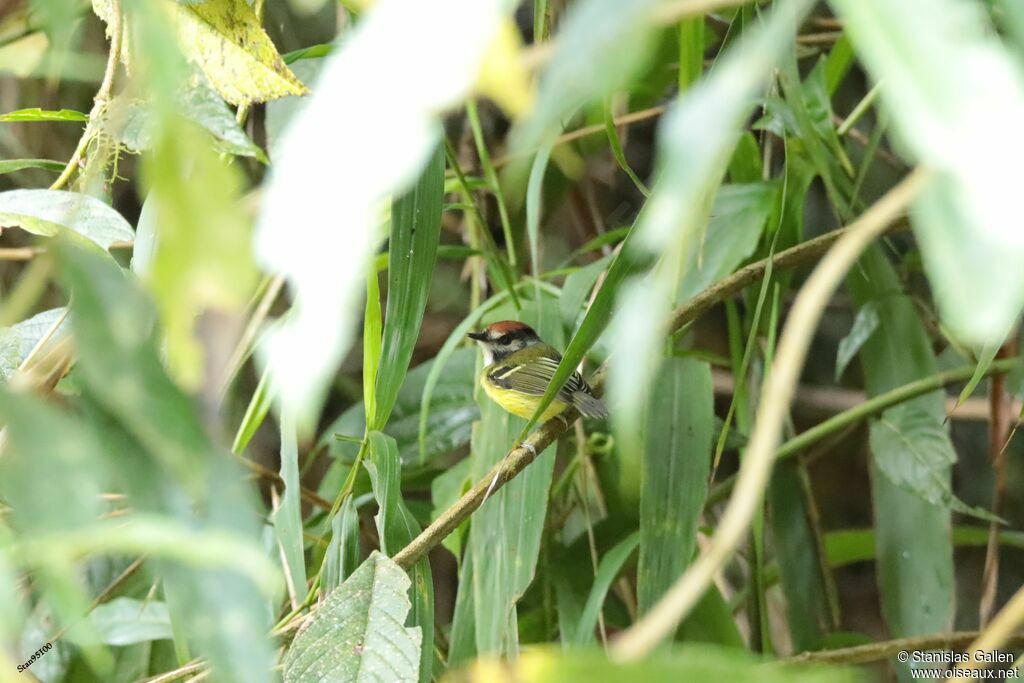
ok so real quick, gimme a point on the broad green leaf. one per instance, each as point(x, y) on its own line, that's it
point(47, 212)
point(911, 447)
point(676, 466)
point(607, 570)
point(226, 40)
point(445, 489)
point(505, 535)
point(690, 663)
point(124, 621)
point(799, 560)
point(944, 74)
point(12, 165)
point(170, 468)
point(865, 323)
point(195, 269)
point(415, 232)
point(46, 443)
point(452, 411)
point(287, 518)
point(462, 638)
point(915, 556)
point(356, 634)
point(737, 222)
point(342, 554)
point(37, 114)
point(396, 527)
point(577, 289)
point(17, 341)
point(132, 122)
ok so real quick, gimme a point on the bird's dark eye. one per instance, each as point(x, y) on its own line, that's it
point(504, 339)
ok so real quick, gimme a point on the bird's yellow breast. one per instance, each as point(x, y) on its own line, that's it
point(517, 402)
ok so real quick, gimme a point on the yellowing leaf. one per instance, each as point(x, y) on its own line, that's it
point(503, 77)
point(225, 39)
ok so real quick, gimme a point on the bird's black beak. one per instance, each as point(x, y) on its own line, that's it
point(478, 336)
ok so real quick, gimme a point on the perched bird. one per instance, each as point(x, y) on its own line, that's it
point(519, 367)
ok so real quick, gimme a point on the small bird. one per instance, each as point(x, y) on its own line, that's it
point(519, 367)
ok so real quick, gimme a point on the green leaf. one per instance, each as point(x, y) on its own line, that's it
point(944, 74)
point(452, 412)
point(195, 269)
point(132, 122)
point(12, 165)
point(357, 633)
point(396, 528)
point(37, 114)
point(17, 341)
point(864, 325)
point(582, 68)
point(913, 450)
point(695, 142)
point(607, 570)
point(287, 518)
point(738, 217)
point(124, 621)
point(505, 535)
point(985, 358)
point(915, 555)
point(342, 554)
point(47, 212)
point(676, 466)
point(800, 564)
point(170, 468)
point(415, 232)
point(445, 489)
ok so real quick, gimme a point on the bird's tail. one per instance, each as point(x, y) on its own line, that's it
point(589, 406)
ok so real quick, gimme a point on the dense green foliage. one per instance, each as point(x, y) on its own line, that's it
point(242, 436)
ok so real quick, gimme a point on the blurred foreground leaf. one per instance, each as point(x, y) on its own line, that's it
point(956, 96)
point(47, 212)
point(357, 633)
point(693, 663)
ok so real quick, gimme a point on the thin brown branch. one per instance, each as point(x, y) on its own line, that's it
point(519, 458)
point(998, 434)
point(875, 652)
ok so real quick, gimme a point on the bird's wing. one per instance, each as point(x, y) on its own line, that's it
point(534, 375)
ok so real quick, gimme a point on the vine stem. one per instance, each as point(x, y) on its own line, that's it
point(779, 388)
point(102, 95)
